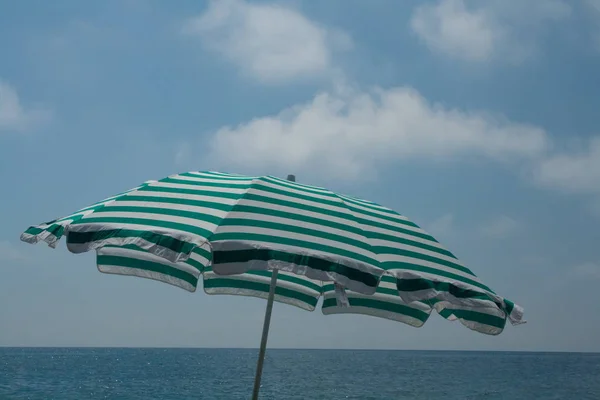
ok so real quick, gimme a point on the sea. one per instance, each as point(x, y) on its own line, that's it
point(151, 373)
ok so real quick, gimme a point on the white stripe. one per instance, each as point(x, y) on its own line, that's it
point(221, 176)
point(152, 217)
point(299, 211)
point(387, 285)
point(410, 274)
point(296, 236)
point(242, 267)
point(367, 204)
point(275, 179)
point(291, 191)
point(228, 245)
point(410, 260)
point(245, 182)
point(91, 226)
point(414, 249)
point(389, 223)
point(198, 258)
point(198, 187)
point(195, 197)
point(145, 256)
point(400, 235)
point(337, 208)
point(169, 206)
point(359, 209)
point(295, 223)
point(67, 220)
point(266, 280)
point(492, 310)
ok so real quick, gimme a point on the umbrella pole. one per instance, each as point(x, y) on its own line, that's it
point(265, 334)
point(266, 324)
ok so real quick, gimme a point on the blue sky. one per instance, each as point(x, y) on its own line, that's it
point(478, 120)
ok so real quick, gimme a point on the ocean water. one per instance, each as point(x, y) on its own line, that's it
point(127, 374)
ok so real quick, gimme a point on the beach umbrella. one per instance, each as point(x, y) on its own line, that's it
point(277, 239)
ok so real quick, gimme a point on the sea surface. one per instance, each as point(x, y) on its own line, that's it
point(127, 374)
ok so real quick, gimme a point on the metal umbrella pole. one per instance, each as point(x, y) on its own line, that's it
point(266, 325)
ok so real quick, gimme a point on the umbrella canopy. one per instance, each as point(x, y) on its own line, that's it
point(234, 230)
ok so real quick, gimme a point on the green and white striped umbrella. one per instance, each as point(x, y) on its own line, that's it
point(234, 230)
point(283, 241)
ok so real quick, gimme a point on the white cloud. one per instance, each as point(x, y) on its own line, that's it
point(441, 226)
point(269, 42)
point(485, 30)
point(8, 252)
point(346, 134)
point(13, 116)
point(577, 172)
point(587, 270)
point(450, 28)
point(500, 227)
point(593, 6)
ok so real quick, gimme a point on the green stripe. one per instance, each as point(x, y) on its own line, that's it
point(259, 287)
point(151, 223)
point(338, 204)
point(409, 242)
point(117, 261)
point(34, 231)
point(413, 285)
point(299, 186)
point(362, 202)
point(336, 201)
point(297, 196)
point(388, 217)
point(380, 305)
point(170, 200)
point(390, 265)
point(509, 306)
point(190, 261)
point(98, 205)
point(241, 256)
point(194, 192)
point(481, 318)
point(54, 229)
point(262, 211)
point(221, 175)
point(245, 237)
point(351, 227)
point(275, 226)
point(342, 215)
point(420, 256)
point(224, 178)
point(213, 219)
point(203, 252)
point(375, 207)
point(248, 237)
point(178, 246)
point(200, 183)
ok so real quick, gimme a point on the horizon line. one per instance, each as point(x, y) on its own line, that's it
point(298, 348)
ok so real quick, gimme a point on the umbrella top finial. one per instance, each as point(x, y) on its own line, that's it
point(291, 178)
